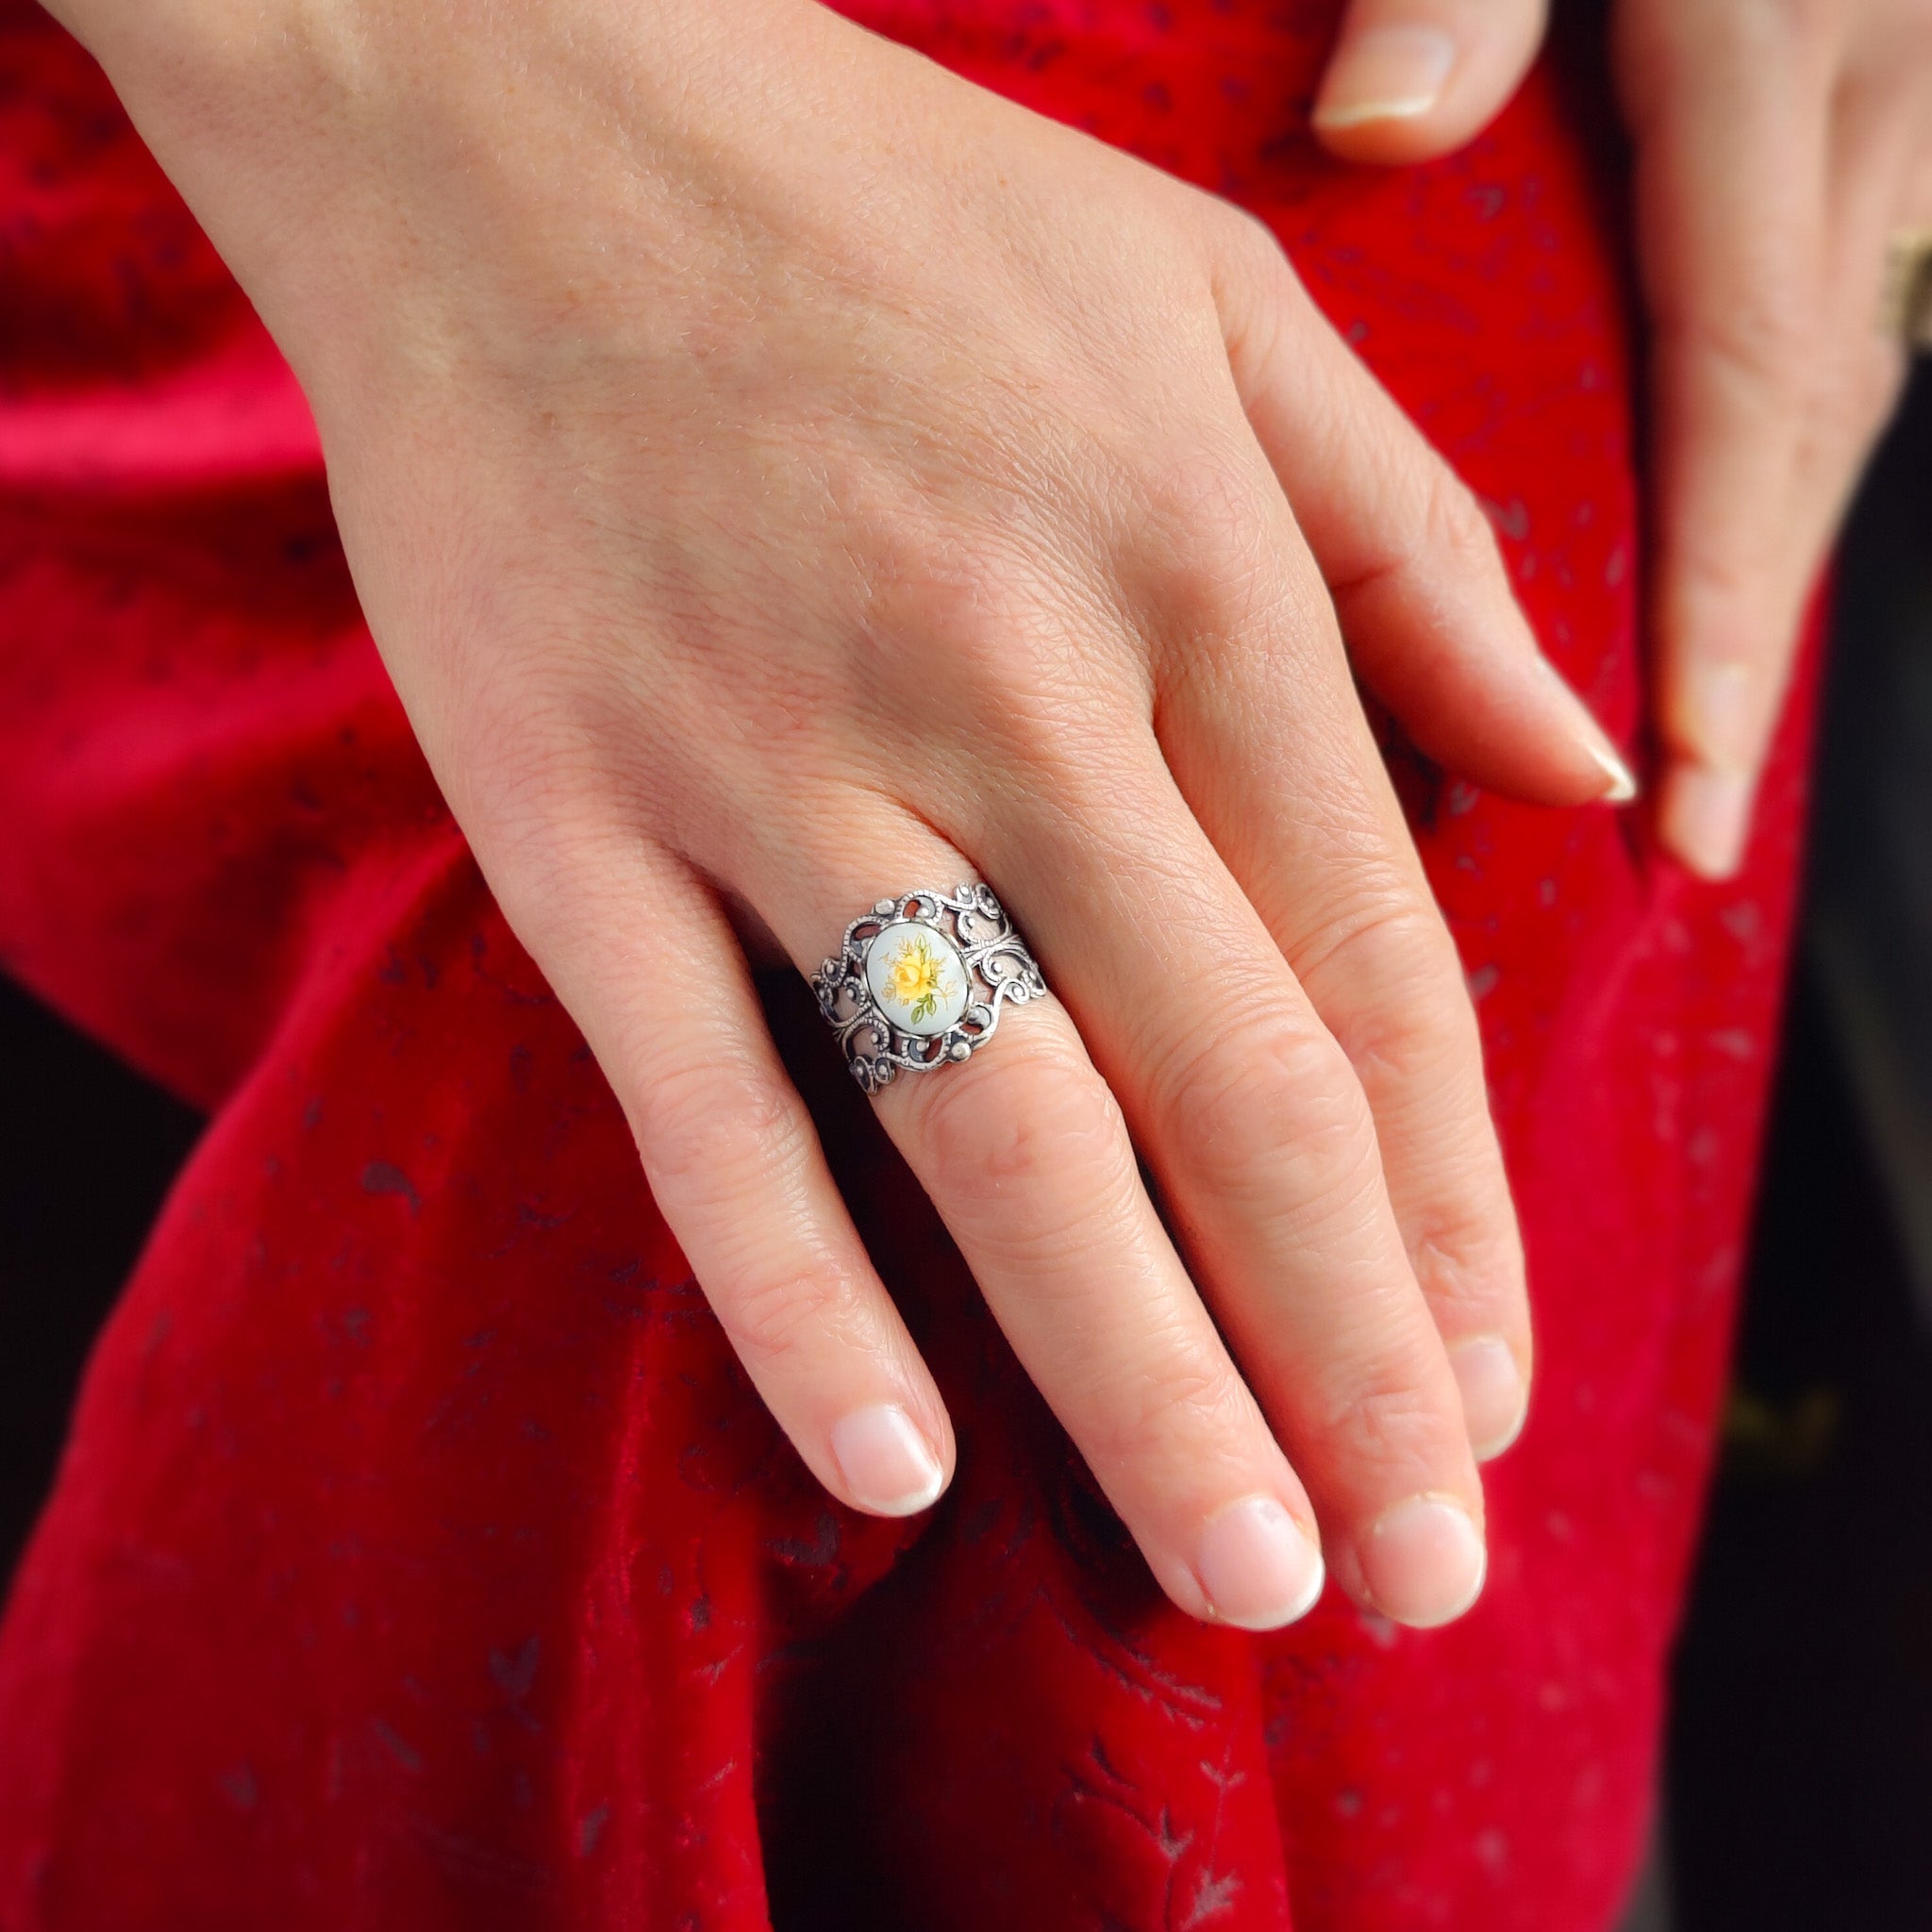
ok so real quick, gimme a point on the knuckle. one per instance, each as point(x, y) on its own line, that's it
point(1227, 577)
point(1218, 522)
point(1037, 713)
point(1253, 251)
point(1471, 1265)
point(771, 1317)
point(528, 795)
point(1430, 518)
point(922, 587)
point(1257, 236)
point(1178, 1392)
point(1725, 573)
point(1760, 342)
point(1257, 291)
point(1389, 963)
point(707, 1133)
point(1387, 1407)
point(932, 595)
point(1031, 668)
point(1453, 521)
point(1270, 1114)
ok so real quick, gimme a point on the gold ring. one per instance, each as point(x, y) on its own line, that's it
point(1906, 312)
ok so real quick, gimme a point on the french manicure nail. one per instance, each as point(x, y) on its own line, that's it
point(1619, 786)
point(1622, 788)
point(888, 1465)
point(1259, 1569)
point(1494, 1402)
point(1385, 73)
point(1705, 818)
point(1422, 1562)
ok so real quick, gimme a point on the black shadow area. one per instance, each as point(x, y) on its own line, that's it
point(87, 1151)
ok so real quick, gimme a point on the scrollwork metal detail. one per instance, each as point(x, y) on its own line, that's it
point(998, 965)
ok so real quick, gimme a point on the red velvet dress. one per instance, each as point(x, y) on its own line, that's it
point(421, 1558)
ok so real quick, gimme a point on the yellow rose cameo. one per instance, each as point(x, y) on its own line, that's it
point(916, 978)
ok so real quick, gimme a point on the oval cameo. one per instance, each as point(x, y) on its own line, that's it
point(916, 978)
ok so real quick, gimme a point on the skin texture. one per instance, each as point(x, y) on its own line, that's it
point(1781, 146)
point(778, 473)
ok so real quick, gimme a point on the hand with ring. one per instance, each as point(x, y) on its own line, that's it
point(1784, 229)
point(778, 473)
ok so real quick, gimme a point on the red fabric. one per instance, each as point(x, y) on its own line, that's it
point(420, 1558)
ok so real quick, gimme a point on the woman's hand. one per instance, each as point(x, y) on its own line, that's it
point(1781, 145)
point(780, 475)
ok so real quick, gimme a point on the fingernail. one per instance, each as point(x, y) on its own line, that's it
point(1259, 1569)
point(1717, 712)
point(1385, 74)
point(1705, 818)
point(1495, 1401)
point(1620, 785)
point(888, 1465)
point(1422, 1562)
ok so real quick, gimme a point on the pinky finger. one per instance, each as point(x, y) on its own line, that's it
point(734, 1165)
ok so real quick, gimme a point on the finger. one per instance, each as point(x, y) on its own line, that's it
point(1409, 80)
point(1344, 898)
point(734, 1163)
point(1026, 1158)
point(1732, 166)
point(1428, 615)
point(1874, 197)
point(1265, 1150)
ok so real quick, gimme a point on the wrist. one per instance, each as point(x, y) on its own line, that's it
point(339, 150)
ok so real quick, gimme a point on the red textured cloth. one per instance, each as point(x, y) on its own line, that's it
point(421, 1558)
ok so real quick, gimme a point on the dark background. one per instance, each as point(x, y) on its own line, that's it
point(1799, 1782)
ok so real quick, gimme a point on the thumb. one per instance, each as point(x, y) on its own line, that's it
point(1410, 80)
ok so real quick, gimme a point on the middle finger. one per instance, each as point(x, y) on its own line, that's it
point(1261, 728)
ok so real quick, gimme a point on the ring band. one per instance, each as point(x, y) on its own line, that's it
point(1907, 308)
point(920, 981)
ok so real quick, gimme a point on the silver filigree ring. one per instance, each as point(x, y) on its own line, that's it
point(919, 982)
